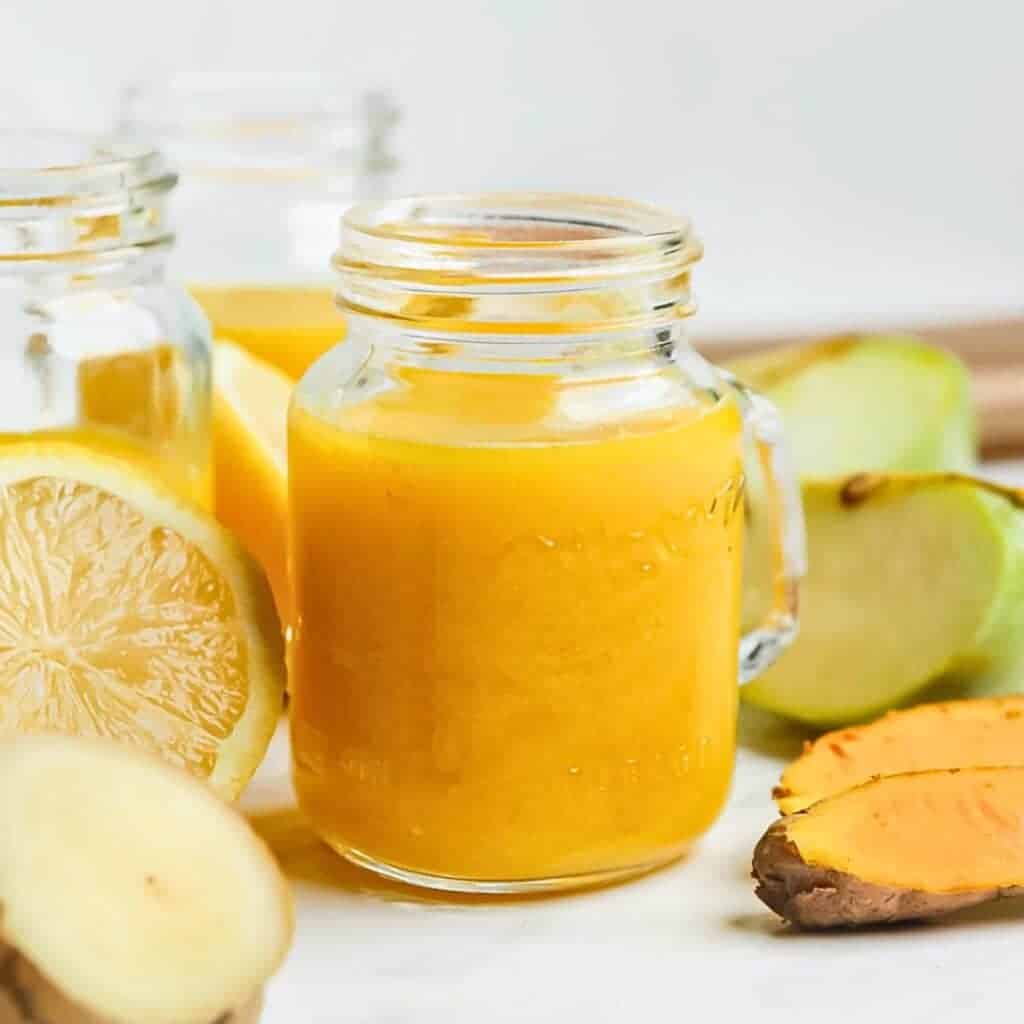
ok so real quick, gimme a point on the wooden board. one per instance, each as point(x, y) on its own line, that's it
point(993, 349)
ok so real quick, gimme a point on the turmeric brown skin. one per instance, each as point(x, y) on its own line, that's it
point(814, 897)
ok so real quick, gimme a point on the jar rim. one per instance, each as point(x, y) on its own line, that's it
point(68, 198)
point(301, 127)
point(516, 262)
point(460, 220)
point(65, 169)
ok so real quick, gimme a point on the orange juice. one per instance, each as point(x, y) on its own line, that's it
point(515, 647)
point(289, 326)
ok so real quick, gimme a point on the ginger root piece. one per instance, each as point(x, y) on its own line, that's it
point(129, 892)
point(900, 848)
point(954, 734)
point(26, 997)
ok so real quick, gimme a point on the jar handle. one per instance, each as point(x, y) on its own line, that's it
point(771, 474)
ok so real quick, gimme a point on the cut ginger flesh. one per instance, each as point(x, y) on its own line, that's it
point(954, 734)
point(937, 832)
point(129, 891)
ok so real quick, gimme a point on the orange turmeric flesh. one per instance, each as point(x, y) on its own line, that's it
point(941, 831)
point(955, 734)
point(900, 848)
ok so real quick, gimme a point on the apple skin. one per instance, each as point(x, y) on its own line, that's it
point(868, 403)
point(883, 418)
point(915, 588)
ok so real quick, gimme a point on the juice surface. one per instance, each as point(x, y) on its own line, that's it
point(289, 326)
point(515, 659)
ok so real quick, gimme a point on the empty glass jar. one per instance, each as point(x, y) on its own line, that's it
point(99, 347)
point(268, 163)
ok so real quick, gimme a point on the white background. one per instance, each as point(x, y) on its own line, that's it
point(844, 161)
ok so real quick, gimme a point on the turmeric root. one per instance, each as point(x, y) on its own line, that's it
point(129, 892)
point(956, 734)
point(900, 848)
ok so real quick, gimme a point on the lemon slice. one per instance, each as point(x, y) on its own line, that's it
point(134, 405)
point(288, 326)
point(250, 436)
point(127, 613)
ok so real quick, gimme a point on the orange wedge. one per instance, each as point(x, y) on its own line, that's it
point(250, 426)
point(126, 612)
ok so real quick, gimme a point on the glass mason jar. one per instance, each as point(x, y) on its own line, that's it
point(99, 347)
point(517, 523)
point(268, 164)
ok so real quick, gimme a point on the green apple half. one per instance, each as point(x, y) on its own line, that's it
point(913, 579)
point(868, 403)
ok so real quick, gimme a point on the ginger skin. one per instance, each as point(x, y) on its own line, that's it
point(26, 997)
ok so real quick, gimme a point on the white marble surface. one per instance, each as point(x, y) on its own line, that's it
point(688, 943)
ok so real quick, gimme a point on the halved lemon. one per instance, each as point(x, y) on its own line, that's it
point(128, 613)
point(288, 326)
point(250, 429)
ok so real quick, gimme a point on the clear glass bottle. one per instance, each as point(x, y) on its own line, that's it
point(100, 347)
point(268, 163)
point(516, 543)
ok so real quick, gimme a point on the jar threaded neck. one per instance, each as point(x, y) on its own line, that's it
point(81, 199)
point(514, 264)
